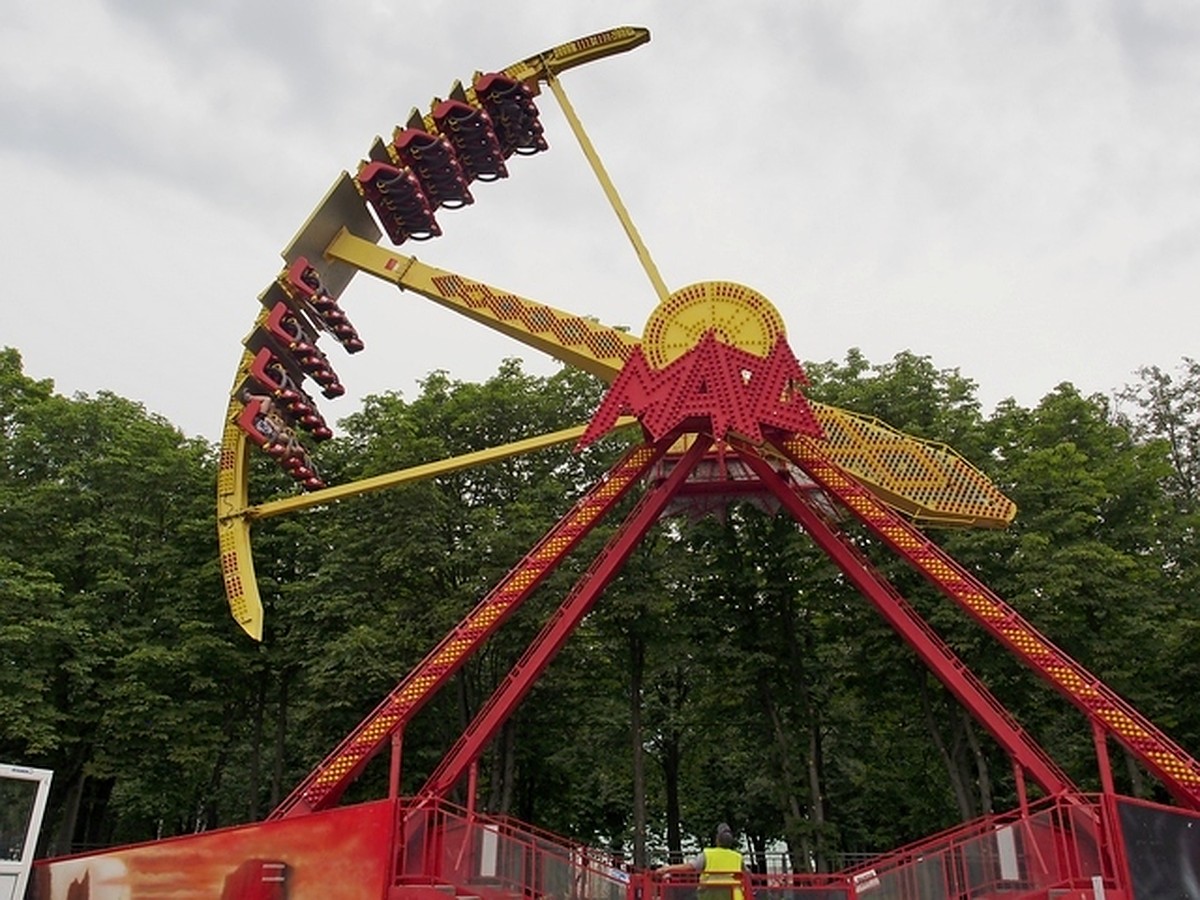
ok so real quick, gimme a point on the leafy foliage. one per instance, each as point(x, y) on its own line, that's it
point(729, 673)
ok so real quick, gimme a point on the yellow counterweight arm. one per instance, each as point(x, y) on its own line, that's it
point(234, 515)
point(575, 340)
point(542, 66)
point(924, 479)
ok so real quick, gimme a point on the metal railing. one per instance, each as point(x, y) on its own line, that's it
point(1060, 841)
point(1063, 842)
point(498, 859)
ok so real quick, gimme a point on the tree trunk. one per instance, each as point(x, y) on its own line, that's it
point(1137, 782)
point(94, 827)
point(256, 746)
point(798, 842)
point(817, 857)
point(637, 666)
point(504, 769)
point(962, 796)
point(64, 836)
point(816, 800)
point(672, 759)
point(982, 772)
point(280, 741)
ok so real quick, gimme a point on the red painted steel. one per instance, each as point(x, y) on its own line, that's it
point(326, 782)
point(1179, 773)
point(564, 621)
point(497, 858)
point(915, 631)
point(338, 854)
point(719, 387)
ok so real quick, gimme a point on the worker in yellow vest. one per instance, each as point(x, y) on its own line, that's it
point(720, 868)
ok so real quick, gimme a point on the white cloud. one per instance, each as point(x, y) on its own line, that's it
point(1007, 187)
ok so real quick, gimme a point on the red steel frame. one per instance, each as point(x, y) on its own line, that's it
point(808, 504)
point(915, 631)
point(325, 784)
point(686, 400)
point(380, 832)
point(556, 631)
point(1178, 771)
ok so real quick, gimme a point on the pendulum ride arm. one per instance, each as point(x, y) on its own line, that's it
point(235, 514)
point(554, 634)
point(915, 631)
point(575, 340)
point(325, 784)
point(1179, 773)
point(925, 480)
point(344, 207)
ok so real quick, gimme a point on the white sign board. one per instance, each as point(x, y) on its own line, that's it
point(23, 793)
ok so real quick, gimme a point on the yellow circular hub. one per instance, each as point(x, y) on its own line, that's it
point(739, 316)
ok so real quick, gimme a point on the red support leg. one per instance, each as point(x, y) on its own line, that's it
point(914, 630)
point(1178, 771)
point(555, 633)
point(325, 784)
point(394, 768)
point(1019, 779)
point(1100, 738)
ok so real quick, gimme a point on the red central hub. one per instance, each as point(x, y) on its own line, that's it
point(724, 388)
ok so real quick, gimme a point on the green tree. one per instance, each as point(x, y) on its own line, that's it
point(1165, 413)
point(110, 581)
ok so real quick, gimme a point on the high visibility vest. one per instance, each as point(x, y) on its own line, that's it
point(722, 875)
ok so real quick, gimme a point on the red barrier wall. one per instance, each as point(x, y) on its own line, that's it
point(341, 854)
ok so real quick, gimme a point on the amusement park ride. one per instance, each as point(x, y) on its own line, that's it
point(718, 396)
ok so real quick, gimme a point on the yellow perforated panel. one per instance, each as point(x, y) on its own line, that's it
point(737, 315)
point(925, 479)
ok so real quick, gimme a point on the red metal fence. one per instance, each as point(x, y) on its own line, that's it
point(1066, 844)
point(497, 859)
point(1069, 847)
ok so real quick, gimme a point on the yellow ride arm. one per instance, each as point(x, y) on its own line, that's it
point(924, 479)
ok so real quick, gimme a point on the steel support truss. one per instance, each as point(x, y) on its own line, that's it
point(774, 463)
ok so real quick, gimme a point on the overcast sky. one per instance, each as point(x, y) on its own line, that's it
point(1010, 188)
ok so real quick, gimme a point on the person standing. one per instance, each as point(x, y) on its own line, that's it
point(720, 868)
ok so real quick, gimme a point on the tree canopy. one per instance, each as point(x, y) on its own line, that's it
point(730, 673)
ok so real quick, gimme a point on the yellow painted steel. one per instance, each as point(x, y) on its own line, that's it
point(233, 530)
point(234, 515)
point(575, 53)
point(926, 480)
point(233, 534)
point(737, 315)
point(610, 190)
point(577, 341)
point(420, 473)
point(573, 340)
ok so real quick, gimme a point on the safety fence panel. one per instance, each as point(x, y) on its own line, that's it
point(496, 859)
point(998, 857)
point(1162, 845)
point(1058, 843)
